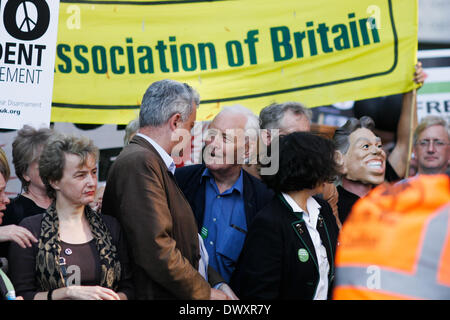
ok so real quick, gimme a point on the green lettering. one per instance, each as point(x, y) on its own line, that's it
point(112, 52)
point(373, 26)
point(77, 51)
point(146, 61)
point(342, 41)
point(284, 43)
point(174, 55)
point(60, 49)
point(184, 60)
point(323, 32)
point(101, 67)
point(130, 56)
point(234, 60)
point(161, 47)
point(312, 39)
point(354, 31)
point(250, 41)
point(364, 32)
point(298, 39)
point(202, 55)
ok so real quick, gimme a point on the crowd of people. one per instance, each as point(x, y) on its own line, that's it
point(259, 218)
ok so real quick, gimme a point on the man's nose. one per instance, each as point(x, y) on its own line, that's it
point(92, 180)
point(376, 150)
point(5, 199)
point(215, 141)
point(431, 148)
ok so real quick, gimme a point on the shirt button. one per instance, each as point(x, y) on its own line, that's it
point(214, 219)
point(211, 243)
point(218, 197)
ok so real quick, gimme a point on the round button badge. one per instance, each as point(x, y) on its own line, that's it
point(303, 255)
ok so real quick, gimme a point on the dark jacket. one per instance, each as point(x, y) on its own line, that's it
point(23, 261)
point(158, 223)
point(256, 194)
point(19, 208)
point(269, 266)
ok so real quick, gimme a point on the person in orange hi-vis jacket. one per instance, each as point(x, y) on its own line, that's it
point(396, 243)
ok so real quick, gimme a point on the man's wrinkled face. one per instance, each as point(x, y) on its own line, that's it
point(292, 122)
point(225, 143)
point(432, 150)
point(365, 160)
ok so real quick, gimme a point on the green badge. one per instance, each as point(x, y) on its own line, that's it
point(204, 233)
point(303, 255)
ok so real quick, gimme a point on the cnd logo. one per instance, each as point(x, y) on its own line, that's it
point(26, 19)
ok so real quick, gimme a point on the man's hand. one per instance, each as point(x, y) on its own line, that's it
point(419, 75)
point(22, 236)
point(331, 195)
point(218, 295)
point(228, 291)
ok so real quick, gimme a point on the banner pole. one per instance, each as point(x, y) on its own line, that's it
point(411, 129)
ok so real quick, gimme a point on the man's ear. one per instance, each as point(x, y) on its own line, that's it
point(54, 184)
point(340, 160)
point(174, 121)
point(266, 136)
point(26, 177)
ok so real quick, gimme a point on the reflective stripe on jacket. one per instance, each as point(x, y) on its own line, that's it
point(396, 243)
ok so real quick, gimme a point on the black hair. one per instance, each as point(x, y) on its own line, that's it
point(342, 134)
point(305, 160)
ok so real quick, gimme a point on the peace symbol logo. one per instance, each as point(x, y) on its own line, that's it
point(26, 16)
point(26, 19)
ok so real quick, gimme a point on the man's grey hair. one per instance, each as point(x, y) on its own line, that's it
point(252, 119)
point(429, 121)
point(342, 134)
point(270, 117)
point(131, 129)
point(165, 98)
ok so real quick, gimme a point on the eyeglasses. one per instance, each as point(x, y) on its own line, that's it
point(425, 143)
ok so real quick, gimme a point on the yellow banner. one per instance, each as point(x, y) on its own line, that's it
point(249, 52)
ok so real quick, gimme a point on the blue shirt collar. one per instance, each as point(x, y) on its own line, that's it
point(238, 185)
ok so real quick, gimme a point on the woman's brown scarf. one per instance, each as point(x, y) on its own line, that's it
point(48, 271)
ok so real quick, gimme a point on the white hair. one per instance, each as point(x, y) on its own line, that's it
point(252, 119)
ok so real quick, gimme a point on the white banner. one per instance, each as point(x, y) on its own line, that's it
point(434, 24)
point(28, 30)
point(434, 97)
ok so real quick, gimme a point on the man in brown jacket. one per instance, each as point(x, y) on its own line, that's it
point(142, 193)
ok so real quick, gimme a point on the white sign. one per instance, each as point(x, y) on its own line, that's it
point(434, 97)
point(434, 22)
point(28, 30)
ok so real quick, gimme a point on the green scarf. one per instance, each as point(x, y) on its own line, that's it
point(48, 270)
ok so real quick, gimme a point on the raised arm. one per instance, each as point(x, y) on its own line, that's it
point(399, 156)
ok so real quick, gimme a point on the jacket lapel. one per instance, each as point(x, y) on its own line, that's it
point(248, 198)
point(300, 229)
point(199, 202)
point(147, 145)
point(326, 241)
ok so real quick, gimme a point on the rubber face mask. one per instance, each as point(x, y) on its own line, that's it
point(365, 160)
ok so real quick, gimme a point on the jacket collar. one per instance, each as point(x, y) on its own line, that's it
point(168, 161)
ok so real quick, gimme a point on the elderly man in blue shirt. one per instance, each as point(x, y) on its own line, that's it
point(223, 196)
